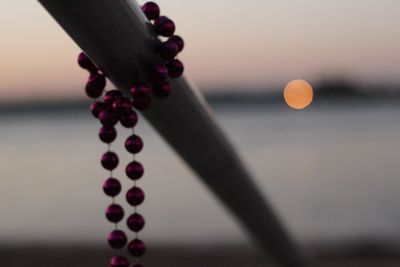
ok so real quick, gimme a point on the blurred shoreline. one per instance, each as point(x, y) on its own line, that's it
point(272, 100)
point(330, 90)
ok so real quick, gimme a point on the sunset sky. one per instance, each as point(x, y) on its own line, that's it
point(230, 44)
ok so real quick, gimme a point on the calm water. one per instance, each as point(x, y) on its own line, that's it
point(332, 173)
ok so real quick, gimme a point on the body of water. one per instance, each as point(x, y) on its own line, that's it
point(331, 172)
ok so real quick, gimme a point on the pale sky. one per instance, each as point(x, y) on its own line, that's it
point(232, 44)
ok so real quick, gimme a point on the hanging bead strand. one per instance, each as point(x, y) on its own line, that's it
point(94, 88)
point(116, 108)
point(117, 239)
point(135, 171)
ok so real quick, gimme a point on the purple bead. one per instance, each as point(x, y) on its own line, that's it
point(107, 134)
point(119, 261)
point(109, 161)
point(122, 106)
point(86, 63)
point(134, 170)
point(175, 68)
point(96, 108)
point(142, 102)
point(107, 118)
point(135, 196)
point(140, 89)
point(178, 41)
point(162, 89)
point(134, 144)
point(137, 248)
point(95, 85)
point(151, 10)
point(135, 222)
point(117, 239)
point(164, 26)
point(111, 96)
point(114, 213)
point(129, 121)
point(112, 187)
point(159, 72)
point(168, 50)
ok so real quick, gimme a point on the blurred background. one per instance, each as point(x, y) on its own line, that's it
point(330, 170)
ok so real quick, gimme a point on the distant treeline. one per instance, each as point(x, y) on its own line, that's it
point(342, 88)
point(333, 91)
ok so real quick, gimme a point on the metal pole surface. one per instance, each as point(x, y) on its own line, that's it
point(119, 39)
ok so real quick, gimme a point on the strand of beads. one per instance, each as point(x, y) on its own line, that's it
point(168, 50)
point(103, 111)
point(135, 171)
point(141, 99)
point(115, 107)
point(119, 108)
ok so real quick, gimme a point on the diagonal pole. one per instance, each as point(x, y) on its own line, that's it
point(118, 38)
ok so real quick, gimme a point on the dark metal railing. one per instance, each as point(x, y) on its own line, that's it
point(118, 38)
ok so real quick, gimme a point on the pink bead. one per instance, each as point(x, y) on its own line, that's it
point(108, 134)
point(129, 121)
point(109, 161)
point(111, 96)
point(117, 239)
point(162, 89)
point(178, 41)
point(85, 63)
point(114, 213)
point(175, 68)
point(159, 72)
point(135, 196)
point(112, 187)
point(137, 248)
point(134, 170)
point(96, 108)
point(122, 106)
point(135, 222)
point(119, 261)
point(95, 85)
point(134, 144)
point(164, 26)
point(151, 10)
point(168, 50)
point(107, 118)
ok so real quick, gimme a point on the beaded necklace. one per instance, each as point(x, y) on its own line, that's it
point(114, 108)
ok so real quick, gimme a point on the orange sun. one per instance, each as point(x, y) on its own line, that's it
point(298, 94)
